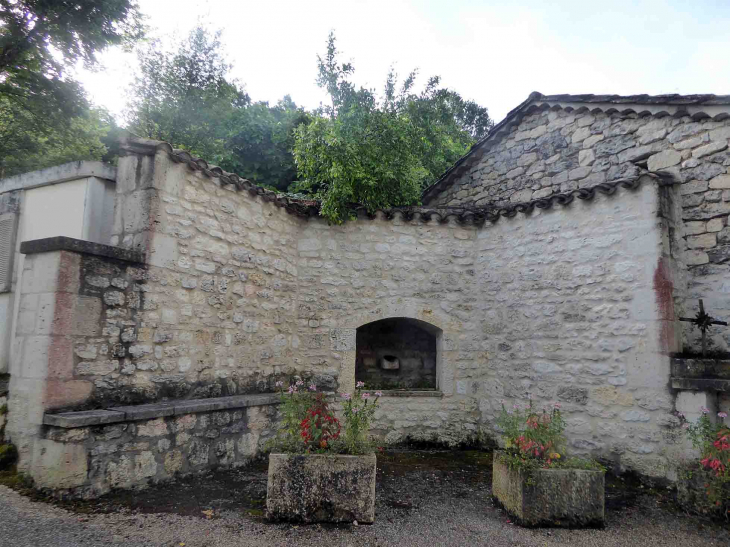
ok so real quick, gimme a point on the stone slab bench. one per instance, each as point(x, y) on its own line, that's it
point(410, 393)
point(83, 418)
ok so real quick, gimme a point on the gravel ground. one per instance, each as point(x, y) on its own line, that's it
point(424, 499)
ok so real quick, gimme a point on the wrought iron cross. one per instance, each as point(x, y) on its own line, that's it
point(703, 321)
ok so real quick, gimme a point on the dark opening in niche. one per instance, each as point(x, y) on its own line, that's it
point(398, 353)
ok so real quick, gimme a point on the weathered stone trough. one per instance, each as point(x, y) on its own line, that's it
point(550, 497)
point(700, 374)
point(321, 488)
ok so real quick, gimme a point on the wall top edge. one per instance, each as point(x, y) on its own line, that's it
point(59, 173)
point(62, 243)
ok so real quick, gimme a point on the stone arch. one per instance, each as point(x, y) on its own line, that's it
point(397, 353)
point(443, 327)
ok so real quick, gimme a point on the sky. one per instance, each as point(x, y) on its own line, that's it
point(494, 52)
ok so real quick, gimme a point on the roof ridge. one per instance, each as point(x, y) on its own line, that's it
point(678, 106)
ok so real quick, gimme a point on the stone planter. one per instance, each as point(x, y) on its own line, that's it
point(550, 497)
point(321, 488)
point(692, 494)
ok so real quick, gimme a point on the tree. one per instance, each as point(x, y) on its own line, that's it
point(380, 154)
point(27, 144)
point(261, 140)
point(44, 113)
point(40, 39)
point(185, 96)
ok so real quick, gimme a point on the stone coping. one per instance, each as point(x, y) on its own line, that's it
point(63, 243)
point(83, 418)
point(410, 393)
point(702, 384)
point(74, 170)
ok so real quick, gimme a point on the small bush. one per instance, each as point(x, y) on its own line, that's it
point(8, 456)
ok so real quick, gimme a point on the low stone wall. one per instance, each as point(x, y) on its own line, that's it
point(88, 461)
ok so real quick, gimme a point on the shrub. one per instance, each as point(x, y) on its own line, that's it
point(309, 425)
point(534, 440)
point(712, 439)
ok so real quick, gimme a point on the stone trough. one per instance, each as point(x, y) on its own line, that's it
point(573, 498)
point(321, 488)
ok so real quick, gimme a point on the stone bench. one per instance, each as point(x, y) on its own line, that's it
point(83, 418)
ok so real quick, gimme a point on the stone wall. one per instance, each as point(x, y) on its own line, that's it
point(566, 304)
point(96, 459)
point(559, 150)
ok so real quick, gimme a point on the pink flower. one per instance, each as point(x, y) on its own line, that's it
point(299, 383)
point(345, 396)
point(722, 414)
point(685, 426)
point(279, 383)
point(705, 410)
point(378, 393)
point(360, 384)
point(557, 405)
point(312, 387)
point(292, 389)
point(365, 395)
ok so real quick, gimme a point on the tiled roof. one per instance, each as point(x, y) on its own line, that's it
point(716, 107)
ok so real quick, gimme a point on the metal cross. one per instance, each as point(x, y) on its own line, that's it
point(703, 321)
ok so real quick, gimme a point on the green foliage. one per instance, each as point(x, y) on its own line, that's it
point(260, 142)
point(45, 118)
point(185, 96)
point(8, 456)
point(358, 410)
point(308, 425)
point(380, 154)
point(27, 143)
point(536, 440)
point(712, 439)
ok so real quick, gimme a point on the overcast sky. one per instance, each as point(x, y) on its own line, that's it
point(492, 51)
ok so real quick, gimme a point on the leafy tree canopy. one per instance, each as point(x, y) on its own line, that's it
point(44, 114)
point(185, 96)
point(380, 153)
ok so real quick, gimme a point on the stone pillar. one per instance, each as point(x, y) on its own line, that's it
point(54, 316)
point(42, 368)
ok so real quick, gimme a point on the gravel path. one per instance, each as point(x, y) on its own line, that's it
point(418, 505)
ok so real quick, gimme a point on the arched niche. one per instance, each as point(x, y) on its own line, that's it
point(398, 353)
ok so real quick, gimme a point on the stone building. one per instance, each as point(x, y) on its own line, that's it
point(551, 263)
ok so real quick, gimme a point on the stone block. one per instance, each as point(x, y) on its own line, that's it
point(550, 497)
point(703, 241)
point(59, 465)
point(696, 258)
point(664, 159)
point(586, 157)
point(321, 488)
point(713, 147)
point(721, 182)
point(83, 418)
point(694, 187)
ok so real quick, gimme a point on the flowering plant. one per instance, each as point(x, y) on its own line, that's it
point(358, 410)
point(309, 425)
point(712, 439)
point(535, 439)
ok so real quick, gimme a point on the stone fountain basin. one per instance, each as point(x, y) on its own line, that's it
point(701, 374)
